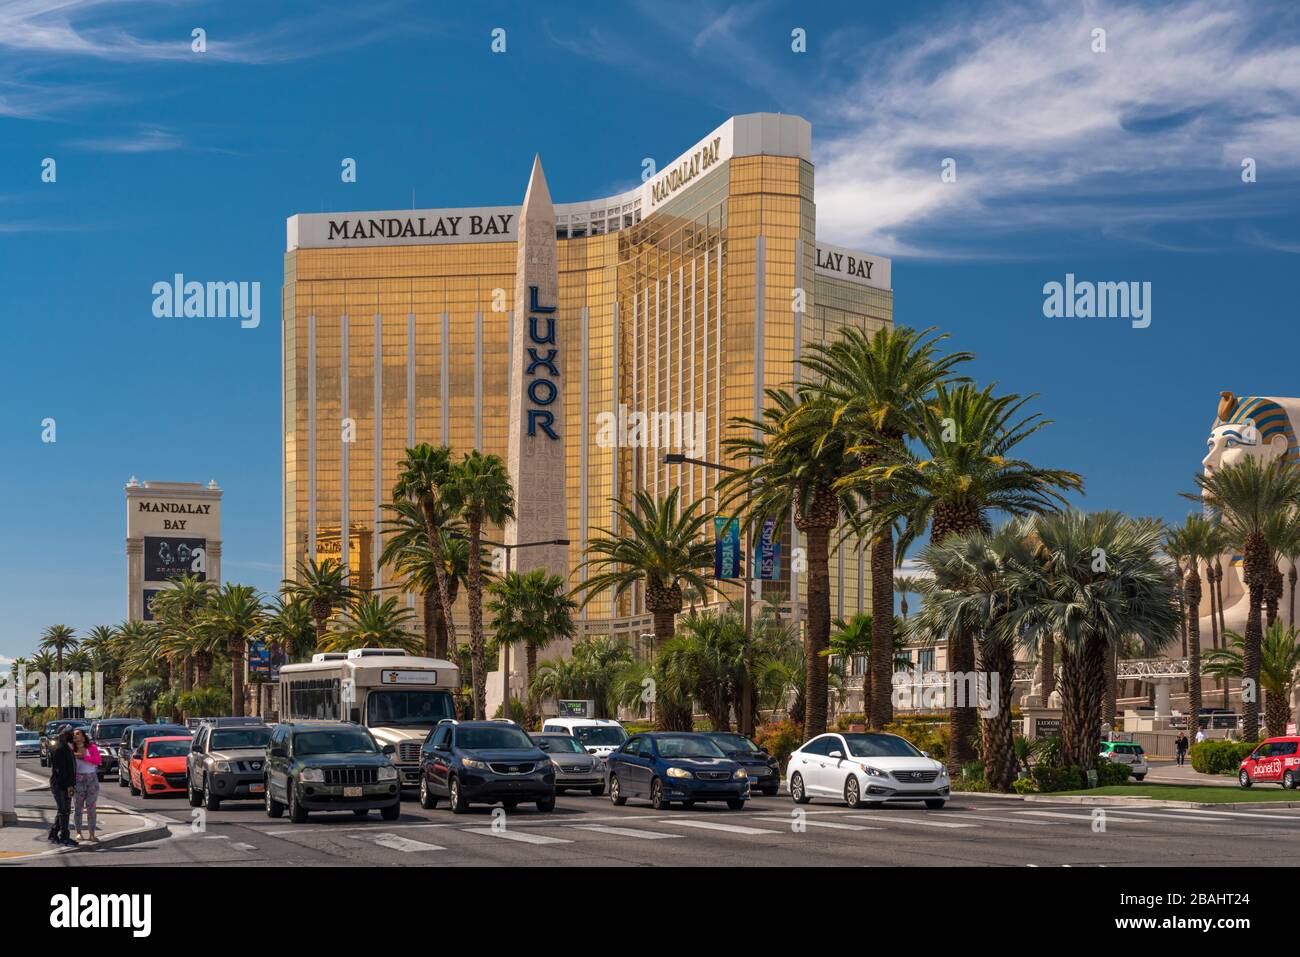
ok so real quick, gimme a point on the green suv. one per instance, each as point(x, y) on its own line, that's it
point(329, 766)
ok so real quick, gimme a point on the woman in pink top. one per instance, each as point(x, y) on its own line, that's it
point(85, 793)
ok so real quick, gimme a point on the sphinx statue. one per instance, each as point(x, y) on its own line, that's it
point(1262, 428)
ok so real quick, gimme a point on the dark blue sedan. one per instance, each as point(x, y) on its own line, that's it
point(668, 766)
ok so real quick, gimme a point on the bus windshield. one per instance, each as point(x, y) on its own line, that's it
point(408, 709)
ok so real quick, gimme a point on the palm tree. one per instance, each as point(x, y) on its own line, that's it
point(175, 609)
point(532, 609)
point(59, 639)
point(1282, 532)
point(664, 550)
point(1279, 663)
point(965, 469)
point(983, 583)
point(370, 621)
point(289, 624)
point(423, 475)
point(875, 383)
point(905, 585)
point(101, 642)
point(591, 673)
point(233, 617)
point(707, 656)
point(792, 459)
point(1175, 550)
point(1288, 548)
point(1196, 540)
point(852, 639)
point(479, 489)
point(322, 587)
point(1246, 495)
point(406, 549)
point(1097, 581)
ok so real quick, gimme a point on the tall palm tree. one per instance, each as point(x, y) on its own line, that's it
point(791, 459)
point(1246, 495)
point(322, 587)
point(407, 551)
point(1196, 540)
point(1279, 664)
point(875, 383)
point(370, 621)
point(1097, 581)
point(175, 608)
point(139, 650)
point(234, 617)
point(964, 469)
point(479, 490)
point(1282, 532)
point(905, 585)
point(101, 642)
point(983, 583)
point(1176, 551)
point(289, 624)
point(422, 478)
point(532, 609)
point(58, 639)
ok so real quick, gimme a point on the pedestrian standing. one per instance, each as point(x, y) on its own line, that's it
point(1181, 746)
point(63, 778)
point(1200, 735)
point(86, 790)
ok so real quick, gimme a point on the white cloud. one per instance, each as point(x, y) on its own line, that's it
point(145, 141)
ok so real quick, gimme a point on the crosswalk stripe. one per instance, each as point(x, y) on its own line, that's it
point(515, 835)
point(1189, 818)
point(398, 843)
point(887, 819)
point(730, 828)
point(1005, 820)
point(831, 824)
point(624, 831)
point(1292, 818)
point(1077, 817)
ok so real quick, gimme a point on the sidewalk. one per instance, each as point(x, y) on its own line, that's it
point(25, 840)
point(1172, 774)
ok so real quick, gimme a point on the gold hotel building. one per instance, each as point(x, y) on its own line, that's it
point(680, 300)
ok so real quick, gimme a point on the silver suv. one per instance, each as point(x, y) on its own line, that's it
point(227, 763)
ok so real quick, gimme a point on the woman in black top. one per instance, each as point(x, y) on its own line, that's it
point(63, 777)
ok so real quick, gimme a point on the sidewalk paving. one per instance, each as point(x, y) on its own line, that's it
point(25, 840)
point(1172, 774)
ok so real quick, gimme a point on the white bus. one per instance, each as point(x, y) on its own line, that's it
point(397, 696)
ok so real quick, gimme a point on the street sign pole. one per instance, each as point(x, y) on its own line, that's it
point(8, 760)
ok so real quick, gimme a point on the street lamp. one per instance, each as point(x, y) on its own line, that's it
point(746, 694)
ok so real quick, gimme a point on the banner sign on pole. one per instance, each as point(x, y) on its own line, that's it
point(767, 556)
point(726, 548)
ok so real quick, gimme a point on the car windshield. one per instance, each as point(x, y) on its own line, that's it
point(493, 739)
point(601, 735)
point(28, 736)
point(168, 749)
point(560, 744)
point(408, 709)
point(733, 742)
point(880, 746)
point(111, 730)
point(685, 747)
point(240, 738)
point(155, 731)
point(340, 741)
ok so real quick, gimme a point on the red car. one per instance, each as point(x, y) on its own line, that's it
point(158, 766)
point(1275, 761)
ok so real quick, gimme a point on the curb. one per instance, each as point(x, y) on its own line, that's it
point(1115, 800)
point(153, 829)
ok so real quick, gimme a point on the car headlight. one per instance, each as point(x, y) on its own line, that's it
point(222, 766)
point(312, 775)
point(741, 774)
point(678, 773)
point(154, 771)
point(476, 765)
point(388, 774)
point(943, 771)
point(874, 772)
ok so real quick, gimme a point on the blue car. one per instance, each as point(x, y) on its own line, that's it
point(669, 766)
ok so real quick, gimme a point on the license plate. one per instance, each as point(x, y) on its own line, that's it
point(256, 788)
point(353, 792)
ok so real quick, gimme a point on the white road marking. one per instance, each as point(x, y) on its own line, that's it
point(1293, 818)
point(831, 824)
point(241, 846)
point(1005, 820)
point(397, 843)
point(623, 831)
point(897, 819)
point(1077, 817)
point(513, 835)
point(729, 828)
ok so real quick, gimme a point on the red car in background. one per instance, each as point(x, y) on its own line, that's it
point(158, 766)
point(1275, 761)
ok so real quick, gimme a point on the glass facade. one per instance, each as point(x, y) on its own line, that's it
point(672, 322)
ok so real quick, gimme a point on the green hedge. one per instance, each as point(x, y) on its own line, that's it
point(1047, 778)
point(1112, 772)
point(1220, 757)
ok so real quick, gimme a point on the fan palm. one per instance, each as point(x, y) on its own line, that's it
point(479, 490)
point(1279, 663)
point(422, 478)
point(532, 609)
point(1246, 495)
point(1196, 541)
point(963, 470)
point(370, 621)
point(792, 459)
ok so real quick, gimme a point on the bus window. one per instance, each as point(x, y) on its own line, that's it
point(408, 709)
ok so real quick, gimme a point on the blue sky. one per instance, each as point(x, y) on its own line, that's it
point(1123, 165)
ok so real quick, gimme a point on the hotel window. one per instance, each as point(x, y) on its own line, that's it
point(902, 660)
point(925, 659)
point(859, 664)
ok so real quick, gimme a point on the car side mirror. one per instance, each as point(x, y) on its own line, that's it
point(925, 754)
point(389, 750)
point(837, 755)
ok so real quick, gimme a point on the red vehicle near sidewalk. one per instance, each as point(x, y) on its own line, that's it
point(158, 766)
point(1275, 761)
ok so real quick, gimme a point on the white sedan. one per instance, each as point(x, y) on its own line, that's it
point(865, 768)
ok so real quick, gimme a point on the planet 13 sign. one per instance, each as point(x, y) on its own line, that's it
point(168, 558)
point(542, 391)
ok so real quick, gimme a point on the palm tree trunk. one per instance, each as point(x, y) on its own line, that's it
point(532, 712)
point(1291, 580)
point(435, 635)
point(1047, 656)
point(881, 660)
point(999, 736)
point(819, 629)
point(1082, 688)
point(1257, 565)
point(439, 568)
point(1192, 586)
point(1182, 605)
point(478, 666)
point(237, 679)
point(1112, 682)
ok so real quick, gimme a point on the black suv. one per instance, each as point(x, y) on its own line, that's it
point(107, 735)
point(764, 771)
point(483, 762)
point(329, 766)
point(135, 736)
point(226, 762)
point(51, 734)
